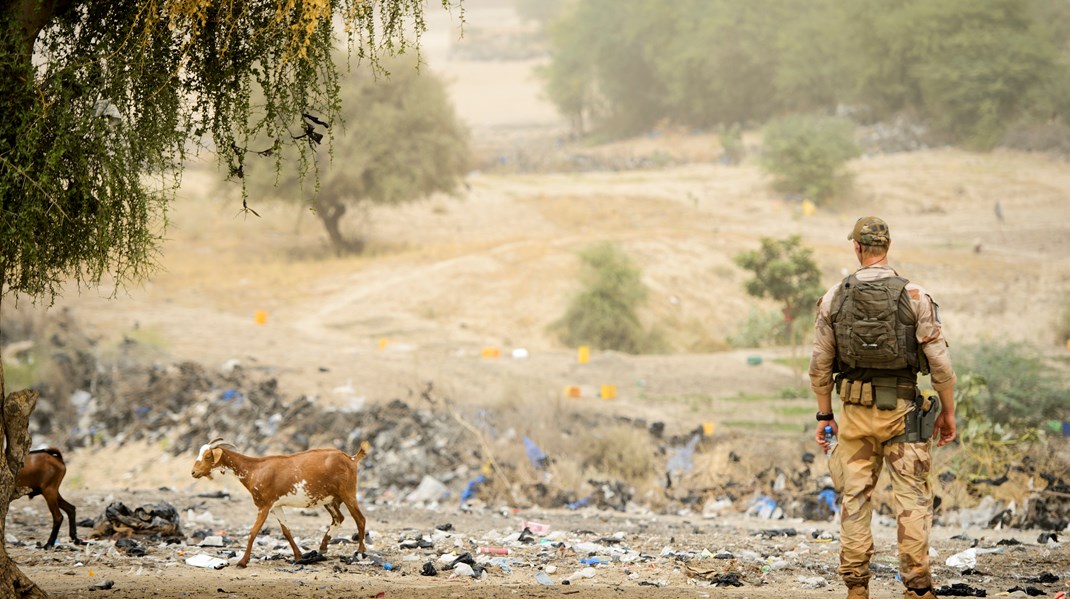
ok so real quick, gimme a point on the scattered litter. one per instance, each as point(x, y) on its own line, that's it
point(960, 589)
point(543, 578)
point(811, 582)
point(203, 560)
point(430, 490)
point(587, 572)
point(104, 585)
point(311, 557)
point(1031, 591)
point(160, 520)
point(536, 456)
point(1045, 578)
point(967, 560)
point(717, 577)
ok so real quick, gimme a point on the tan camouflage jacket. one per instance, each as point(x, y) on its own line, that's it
point(929, 333)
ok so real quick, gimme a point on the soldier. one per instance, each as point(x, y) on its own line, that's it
point(875, 332)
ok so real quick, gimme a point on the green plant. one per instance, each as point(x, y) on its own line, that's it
point(806, 155)
point(604, 315)
point(760, 328)
point(988, 447)
point(1020, 389)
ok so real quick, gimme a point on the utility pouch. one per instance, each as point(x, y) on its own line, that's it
point(866, 398)
point(856, 393)
point(845, 390)
point(885, 392)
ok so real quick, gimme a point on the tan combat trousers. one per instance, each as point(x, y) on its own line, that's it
point(857, 463)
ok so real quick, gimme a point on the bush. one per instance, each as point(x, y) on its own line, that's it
point(1021, 389)
point(806, 155)
point(604, 314)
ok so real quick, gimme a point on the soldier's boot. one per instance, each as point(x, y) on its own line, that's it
point(926, 593)
point(858, 592)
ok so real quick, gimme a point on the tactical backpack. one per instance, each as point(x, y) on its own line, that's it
point(874, 325)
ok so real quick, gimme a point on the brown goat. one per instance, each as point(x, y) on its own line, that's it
point(42, 472)
point(326, 477)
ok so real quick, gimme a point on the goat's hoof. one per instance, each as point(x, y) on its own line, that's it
point(241, 564)
point(78, 542)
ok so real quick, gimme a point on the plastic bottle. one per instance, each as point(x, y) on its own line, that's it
point(830, 438)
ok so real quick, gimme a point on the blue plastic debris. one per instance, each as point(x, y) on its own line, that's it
point(681, 460)
point(575, 505)
point(470, 489)
point(536, 456)
point(828, 497)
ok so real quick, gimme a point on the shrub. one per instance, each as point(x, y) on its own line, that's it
point(604, 314)
point(1020, 388)
point(619, 452)
point(806, 155)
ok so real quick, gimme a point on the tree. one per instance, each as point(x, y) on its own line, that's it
point(969, 66)
point(806, 155)
point(786, 272)
point(403, 142)
point(101, 101)
point(604, 315)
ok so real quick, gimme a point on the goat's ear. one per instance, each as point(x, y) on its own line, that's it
point(216, 454)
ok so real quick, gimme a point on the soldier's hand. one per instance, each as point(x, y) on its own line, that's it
point(820, 434)
point(944, 431)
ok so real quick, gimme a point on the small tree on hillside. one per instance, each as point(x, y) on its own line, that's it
point(604, 315)
point(402, 141)
point(806, 155)
point(786, 272)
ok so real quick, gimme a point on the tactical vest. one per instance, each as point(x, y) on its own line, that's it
point(875, 325)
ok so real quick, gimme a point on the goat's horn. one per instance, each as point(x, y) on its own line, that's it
point(215, 442)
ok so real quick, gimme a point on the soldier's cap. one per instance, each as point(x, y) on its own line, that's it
point(870, 230)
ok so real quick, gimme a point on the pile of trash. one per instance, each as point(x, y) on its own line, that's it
point(426, 450)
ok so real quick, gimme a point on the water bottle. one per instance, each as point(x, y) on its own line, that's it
point(830, 438)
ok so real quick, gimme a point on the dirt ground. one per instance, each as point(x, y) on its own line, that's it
point(769, 562)
point(493, 267)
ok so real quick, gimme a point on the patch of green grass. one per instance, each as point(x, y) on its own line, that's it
point(764, 425)
point(796, 363)
point(20, 376)
point(795, 393)
point(792, 411)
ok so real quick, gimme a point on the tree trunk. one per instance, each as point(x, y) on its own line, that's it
point(330, 212)
point(17, 408)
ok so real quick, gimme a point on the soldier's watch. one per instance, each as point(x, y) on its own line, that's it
point(825, 416)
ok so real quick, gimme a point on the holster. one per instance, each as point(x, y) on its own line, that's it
point(921, 421)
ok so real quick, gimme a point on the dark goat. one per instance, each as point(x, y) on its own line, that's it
point(43, 472)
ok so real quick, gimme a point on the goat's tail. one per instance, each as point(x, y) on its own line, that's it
point(52, 451)
point(365, 449)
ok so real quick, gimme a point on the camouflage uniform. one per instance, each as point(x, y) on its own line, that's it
point(862, 449)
